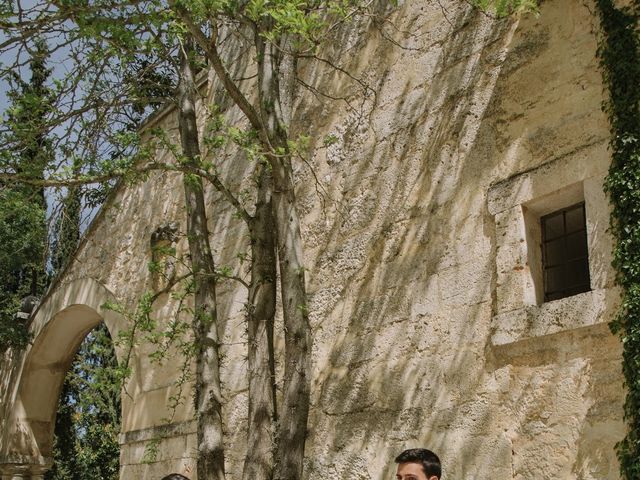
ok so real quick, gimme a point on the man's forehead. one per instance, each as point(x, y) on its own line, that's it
point(411, 468)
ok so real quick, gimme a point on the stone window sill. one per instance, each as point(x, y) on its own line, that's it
point(582, 310)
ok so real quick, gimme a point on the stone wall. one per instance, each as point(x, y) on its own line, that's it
point(428, 330)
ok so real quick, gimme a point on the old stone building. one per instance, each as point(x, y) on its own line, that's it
point(437, 319)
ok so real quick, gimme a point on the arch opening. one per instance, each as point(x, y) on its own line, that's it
point(59, 327)
point(88, 417)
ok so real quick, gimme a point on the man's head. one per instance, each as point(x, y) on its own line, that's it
point(418, 464)
point(174, 476)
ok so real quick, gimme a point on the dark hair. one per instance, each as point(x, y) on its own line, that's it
point(174, 476)
point(429, 460)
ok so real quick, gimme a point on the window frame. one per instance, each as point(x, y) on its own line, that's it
point(516, 204)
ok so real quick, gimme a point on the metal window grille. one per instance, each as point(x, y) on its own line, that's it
point(565, 257)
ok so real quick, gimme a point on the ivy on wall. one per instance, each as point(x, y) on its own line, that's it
point(619, 55)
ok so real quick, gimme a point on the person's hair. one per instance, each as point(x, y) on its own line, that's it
point(429, 460)
point(174, 476)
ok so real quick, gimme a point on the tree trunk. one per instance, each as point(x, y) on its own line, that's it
point(269, 124)
point(208, 393)
point(292, 426)
point(261, 308)
point(292, 429)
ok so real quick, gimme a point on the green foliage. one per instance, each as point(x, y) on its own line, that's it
point(65, 463)
point(150, 83)
point(219, 134)
point(619, 54)
point(23, 233)
point(85, 445)
point(171, 342)
point(66, 230)
point(506, 7)
point(22, 246)
point(88, 420)
point(25, 120)
point(329, 140)
point(151, 450)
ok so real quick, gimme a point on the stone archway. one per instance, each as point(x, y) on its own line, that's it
point(62, 321)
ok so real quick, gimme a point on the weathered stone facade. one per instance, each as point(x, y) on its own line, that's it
point(420, 240)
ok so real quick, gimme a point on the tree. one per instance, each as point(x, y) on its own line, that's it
point(208, 391)
point(23, 233)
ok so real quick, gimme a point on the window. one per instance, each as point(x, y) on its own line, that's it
point(565, 258)
point(553, 253)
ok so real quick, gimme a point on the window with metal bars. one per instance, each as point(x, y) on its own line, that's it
point(565, 258)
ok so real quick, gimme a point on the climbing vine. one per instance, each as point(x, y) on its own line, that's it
point(619, 54)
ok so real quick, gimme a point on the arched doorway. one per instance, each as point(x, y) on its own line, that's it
point(88, 419)
point(60, 324)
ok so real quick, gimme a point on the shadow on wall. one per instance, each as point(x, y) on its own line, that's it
point(402, 288)
point(401, 331)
